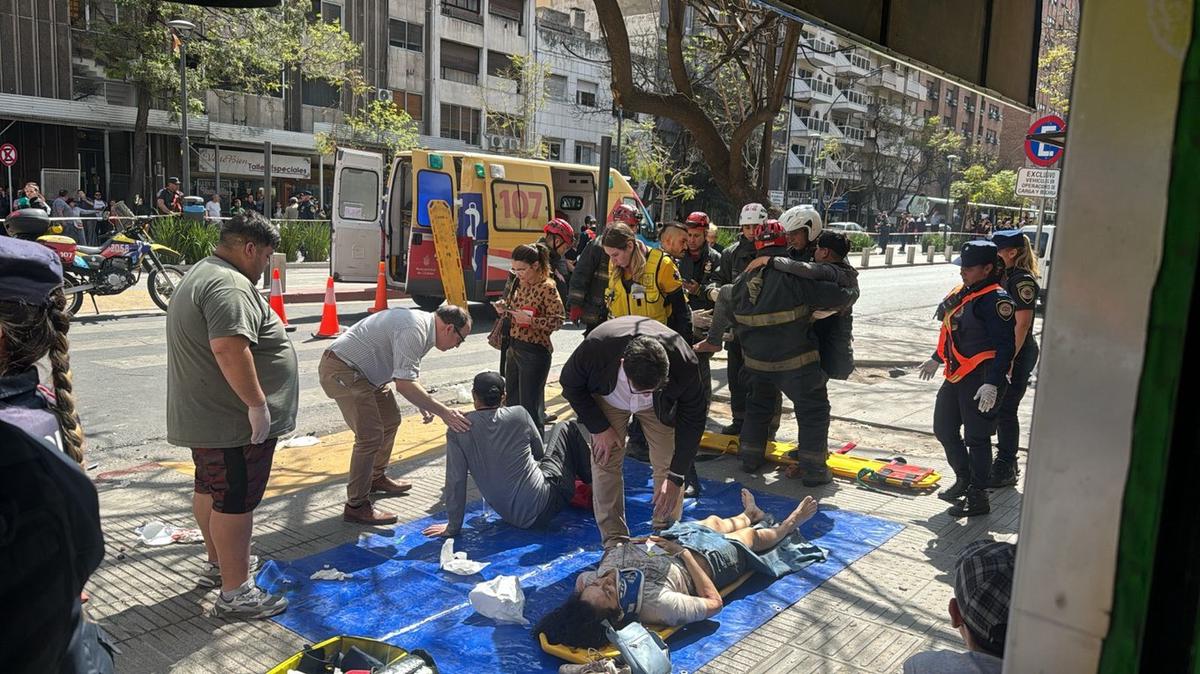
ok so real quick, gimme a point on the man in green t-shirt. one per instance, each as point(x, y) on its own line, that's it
point(232, 391)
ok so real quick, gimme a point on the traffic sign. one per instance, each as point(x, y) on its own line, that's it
point(1039, 152)
point(1037, 182)
point(8, 154)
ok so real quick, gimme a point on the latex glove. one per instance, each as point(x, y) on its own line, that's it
point(986, 395)
point(576, 314)
point(260, 423)
point(928, 369)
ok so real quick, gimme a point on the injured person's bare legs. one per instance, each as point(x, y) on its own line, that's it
point(751, 515)
point(765, 539)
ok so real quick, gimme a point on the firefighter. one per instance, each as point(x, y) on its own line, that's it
point(559, 237)
point(975, 349)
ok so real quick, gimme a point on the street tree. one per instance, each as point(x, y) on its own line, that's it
point(650, 160)
point(524, 78)
point(978, 185)
point(724, 82)
point(378, 124)
point(904, 153)
point(840, 163)
point(244, 50)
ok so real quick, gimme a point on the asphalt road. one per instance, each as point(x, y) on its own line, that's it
point(119, 361)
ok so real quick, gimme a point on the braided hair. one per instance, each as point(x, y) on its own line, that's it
point(31, 332)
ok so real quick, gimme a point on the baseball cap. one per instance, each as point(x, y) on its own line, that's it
point(29, 271)
point(983, 579)
point(1011, 238)
point(489, 386)
point(975, 253)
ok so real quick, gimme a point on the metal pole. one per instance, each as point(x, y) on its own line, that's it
point(320, 182)
point(1037, 242)
point(217, 170)
point(620, 119)
point(602, 188)
point(107, 169)
point(185, 172)
point(267, 210)
point(11, 198)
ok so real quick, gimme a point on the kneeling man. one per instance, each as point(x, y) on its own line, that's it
point(525, 480)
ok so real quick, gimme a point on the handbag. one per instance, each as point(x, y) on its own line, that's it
point(642, 650)
point(498, 337)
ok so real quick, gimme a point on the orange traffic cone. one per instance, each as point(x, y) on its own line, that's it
point(380, 289)
point(329, 319)
point(277, 300)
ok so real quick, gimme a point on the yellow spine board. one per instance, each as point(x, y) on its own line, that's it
point(445, 244)
point(584, 655)
point(842, 465)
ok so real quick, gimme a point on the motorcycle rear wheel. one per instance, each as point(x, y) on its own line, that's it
point(162, 284)
point(74, 300)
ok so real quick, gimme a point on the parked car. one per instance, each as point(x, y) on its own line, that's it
point(1044, 247)
point(845, 227)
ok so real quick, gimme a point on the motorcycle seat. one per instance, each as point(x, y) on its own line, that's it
point(89, 250)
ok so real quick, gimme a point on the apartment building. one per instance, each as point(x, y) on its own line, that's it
point(443, 62)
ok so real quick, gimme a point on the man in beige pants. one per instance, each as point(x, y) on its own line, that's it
point(355, 370)
point(636, 366)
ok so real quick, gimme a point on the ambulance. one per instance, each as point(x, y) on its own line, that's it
point(497, 202)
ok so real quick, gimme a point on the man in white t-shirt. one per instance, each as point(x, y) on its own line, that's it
point(212, 209)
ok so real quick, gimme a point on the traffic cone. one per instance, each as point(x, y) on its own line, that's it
point(329, 319)
point(277, 300)
point(380, 289)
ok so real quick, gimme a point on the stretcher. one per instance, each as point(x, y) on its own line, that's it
point(324, 656)
point(895, 472)
point(584, 655)
point(445, 246)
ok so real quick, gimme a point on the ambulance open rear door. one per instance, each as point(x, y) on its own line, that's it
point(357, 241)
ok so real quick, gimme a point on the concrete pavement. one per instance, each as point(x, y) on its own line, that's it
point(866, 619)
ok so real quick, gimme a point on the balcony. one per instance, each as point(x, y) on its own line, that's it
point(851, 101)
point(816, 53)
point(815, 125)
point(852, 135)
point(886, 79)
point(820, 90)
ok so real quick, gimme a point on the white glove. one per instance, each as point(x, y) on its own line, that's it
point(928, 369)
point(260, 423)
point(986, 395)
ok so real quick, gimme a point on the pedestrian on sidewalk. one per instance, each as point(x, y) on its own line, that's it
point(169, 200)
point(232, 391)
point(355, 370)
point(212, 209)
point(535, 312)
point(526, 480)
point(1020, 282)
point(976, 347)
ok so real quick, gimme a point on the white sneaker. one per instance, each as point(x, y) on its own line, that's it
point(210, 574)
point(602, 666)
point(250, 602)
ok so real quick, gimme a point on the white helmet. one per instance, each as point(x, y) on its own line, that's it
point(804, 216)
point(753, 214)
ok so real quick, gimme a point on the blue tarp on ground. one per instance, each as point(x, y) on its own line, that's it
point(399, 594)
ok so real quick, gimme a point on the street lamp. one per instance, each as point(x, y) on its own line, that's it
point(182, 30)
point(950, 159)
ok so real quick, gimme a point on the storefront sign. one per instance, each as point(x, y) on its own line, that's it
point(234, 162)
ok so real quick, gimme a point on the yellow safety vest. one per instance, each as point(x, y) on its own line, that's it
point(644, 298)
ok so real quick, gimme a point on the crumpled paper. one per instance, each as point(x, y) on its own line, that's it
point(157, 533)
point(329, 573)
point(500, 599)
point(457, 562)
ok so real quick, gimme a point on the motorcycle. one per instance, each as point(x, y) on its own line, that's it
point(110, 268)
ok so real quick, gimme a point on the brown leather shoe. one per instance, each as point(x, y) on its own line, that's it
point(367, 513)
point(387, 485)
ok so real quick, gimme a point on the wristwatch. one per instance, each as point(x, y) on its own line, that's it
point(675, 478)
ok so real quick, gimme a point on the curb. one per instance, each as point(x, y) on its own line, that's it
point(318, 296)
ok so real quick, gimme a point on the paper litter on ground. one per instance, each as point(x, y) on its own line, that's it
point(457, 562)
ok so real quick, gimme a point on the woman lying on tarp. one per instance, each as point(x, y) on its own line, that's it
point(675, 579)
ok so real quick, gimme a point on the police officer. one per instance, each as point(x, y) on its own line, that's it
point(975, 348)
point(773, 315)
point(1020, 281)
point(733, 261)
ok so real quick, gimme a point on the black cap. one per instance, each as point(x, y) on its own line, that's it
point(1009, 238)
point(983, 579)
point(489, 386)
point(29, 271)
point(975, 253)
point(173, 180)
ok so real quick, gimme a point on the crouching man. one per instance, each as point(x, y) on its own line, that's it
point(527, 481)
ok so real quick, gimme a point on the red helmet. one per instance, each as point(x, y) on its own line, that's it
point(769, 234)
point(560, 228)
point(698, 219)
point(626, 214)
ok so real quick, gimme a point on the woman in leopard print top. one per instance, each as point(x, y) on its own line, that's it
point(536, 311)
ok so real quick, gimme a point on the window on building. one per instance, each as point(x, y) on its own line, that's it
point(467, 10)
point(554, 148)
point(505, 125)
point(460, 123)
point(966, 128)
point(508, 9)
point(585, 153)
point(622, 112)
point(331, 12)
point(932, 90)
point(406, 35)
point(556, 88)
point(946, 122)
point(994, 111)
point(411, 103)
point(585, 93)
point(320, 93)
point(500, 64)
point(460, 62)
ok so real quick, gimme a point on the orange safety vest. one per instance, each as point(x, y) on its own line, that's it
point(958, 365)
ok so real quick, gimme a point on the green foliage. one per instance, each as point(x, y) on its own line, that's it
point(1056, 67)
point(649, 159)
point(194, 240)
point(372, 126)
point(528, 77)
point(859, 240)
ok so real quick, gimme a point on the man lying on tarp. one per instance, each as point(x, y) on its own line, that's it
point(678, 579)
point(527, 481)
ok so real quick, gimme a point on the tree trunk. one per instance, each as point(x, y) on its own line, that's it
point(137, 181)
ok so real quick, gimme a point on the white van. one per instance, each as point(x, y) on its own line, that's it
point(1044, 248)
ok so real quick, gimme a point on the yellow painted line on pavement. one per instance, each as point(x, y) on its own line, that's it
point(298, 468)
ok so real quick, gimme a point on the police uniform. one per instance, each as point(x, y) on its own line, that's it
point(773, 323)
point(1023, 289)
point(975, 347)
point(733, 262)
